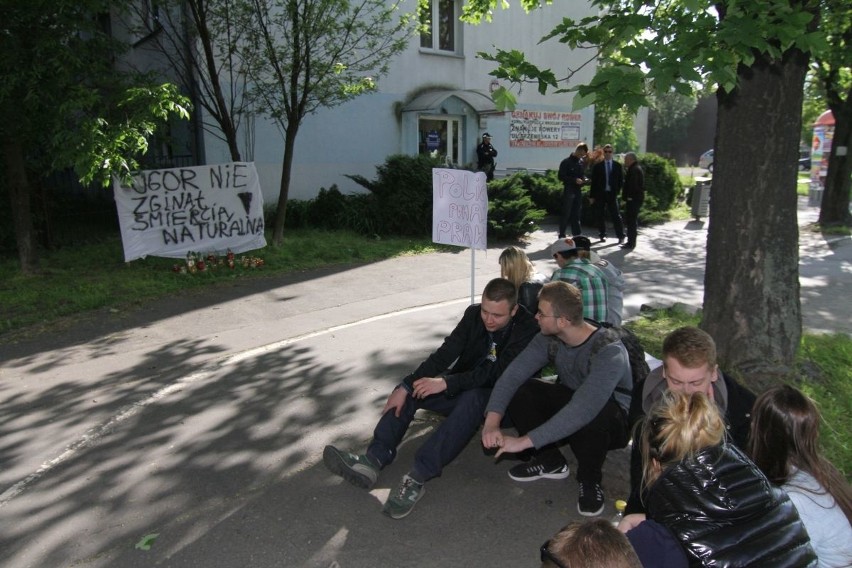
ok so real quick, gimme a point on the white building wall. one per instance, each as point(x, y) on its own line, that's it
point(356, 137)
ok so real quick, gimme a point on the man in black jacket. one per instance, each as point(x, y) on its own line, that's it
point(455, 381)
point(689, 366)
point(573, 177)
point(634, 195)
point(485, 154)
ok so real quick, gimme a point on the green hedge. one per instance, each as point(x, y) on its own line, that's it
point(399, 202)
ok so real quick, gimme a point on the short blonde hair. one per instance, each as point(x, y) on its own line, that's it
point(691, 347)
point(593, 544)
point(676, 428)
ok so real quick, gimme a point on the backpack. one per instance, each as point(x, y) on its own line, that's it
point(639, 368)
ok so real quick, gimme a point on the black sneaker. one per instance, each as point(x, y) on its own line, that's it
point(534, 469)
point(591, 500)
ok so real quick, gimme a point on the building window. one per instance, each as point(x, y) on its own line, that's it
point(443, 26)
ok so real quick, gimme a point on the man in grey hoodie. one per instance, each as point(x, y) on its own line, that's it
point(586, 406)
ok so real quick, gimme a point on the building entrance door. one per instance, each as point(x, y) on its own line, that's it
point(440, 136)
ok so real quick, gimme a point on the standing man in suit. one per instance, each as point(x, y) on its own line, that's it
point(634, 195)
point(607, 180)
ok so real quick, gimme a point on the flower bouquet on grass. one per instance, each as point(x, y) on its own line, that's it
point(197, 262)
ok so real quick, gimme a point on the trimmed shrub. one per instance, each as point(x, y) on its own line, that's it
point(662, 182)
point(400, 201)
point(545, 190)
point(321, 212)
point(328, 209)
point(402, 193)
point(296, 216)
point(511, 211)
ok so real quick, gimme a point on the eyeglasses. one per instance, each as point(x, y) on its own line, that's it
point(547, 555)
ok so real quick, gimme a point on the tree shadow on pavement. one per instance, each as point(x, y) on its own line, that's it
point(182, 447)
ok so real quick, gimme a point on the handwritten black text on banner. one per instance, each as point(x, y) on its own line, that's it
point(203, 209)
point(459, 208)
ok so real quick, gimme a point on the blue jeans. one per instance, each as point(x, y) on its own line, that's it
point(464, 414)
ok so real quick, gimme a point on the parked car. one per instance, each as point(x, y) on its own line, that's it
point(804, 163)
point(706, 161)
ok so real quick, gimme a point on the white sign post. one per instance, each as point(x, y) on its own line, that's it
point(203, 209)
point(460, 212)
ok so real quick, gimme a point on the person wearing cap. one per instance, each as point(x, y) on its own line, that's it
point(586, 406)
point(614, 279)
point(634, 195)
point(485, 154)
point(580, 272)
point(454, 381)
point(573, 176)
point(607, 179)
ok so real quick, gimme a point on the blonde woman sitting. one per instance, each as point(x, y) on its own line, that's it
point(712, 499)
point(515, 266)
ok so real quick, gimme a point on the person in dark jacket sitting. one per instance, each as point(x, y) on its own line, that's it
point(455, 381)
point(711, 498)
point(689, 365)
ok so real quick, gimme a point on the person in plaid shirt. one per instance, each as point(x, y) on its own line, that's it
point(583, 274)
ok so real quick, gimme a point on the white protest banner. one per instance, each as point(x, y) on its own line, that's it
point(204, 209)
point(459, 208)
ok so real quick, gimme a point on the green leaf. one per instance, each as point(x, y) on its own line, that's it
point(146, 541)
point(504, 99)
point(583, 100)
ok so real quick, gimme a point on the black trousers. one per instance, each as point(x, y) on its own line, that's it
point(609, 201)
point(537, 401)
point(631, 220)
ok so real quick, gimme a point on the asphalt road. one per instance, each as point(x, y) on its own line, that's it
point(202, 418)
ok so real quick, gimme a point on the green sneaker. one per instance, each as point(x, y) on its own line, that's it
point(356, 469)
point(402, 500)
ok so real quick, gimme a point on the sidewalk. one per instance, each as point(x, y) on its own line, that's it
point(668, 266)
point(202, 418)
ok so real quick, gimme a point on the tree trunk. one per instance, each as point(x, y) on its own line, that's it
point(284, 191)
point(834, 208)
point(19, 194)
point(226, 122)
point(751, 282)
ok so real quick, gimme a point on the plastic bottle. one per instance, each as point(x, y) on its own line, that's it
point(620, 506)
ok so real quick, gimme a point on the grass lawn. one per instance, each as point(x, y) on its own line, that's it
point(823, 371)
point(82, 278)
